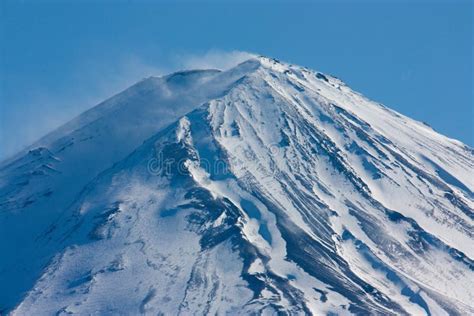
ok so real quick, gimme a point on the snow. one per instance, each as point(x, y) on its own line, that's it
point(285, 191)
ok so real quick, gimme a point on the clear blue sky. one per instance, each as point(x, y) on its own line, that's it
point(58, 60)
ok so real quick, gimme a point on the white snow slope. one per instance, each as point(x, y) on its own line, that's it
point(268, 188)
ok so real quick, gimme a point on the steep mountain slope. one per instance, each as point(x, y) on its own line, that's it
point(267, 188)
point(38, 184)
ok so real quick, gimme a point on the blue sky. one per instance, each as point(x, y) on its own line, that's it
point(59, 59)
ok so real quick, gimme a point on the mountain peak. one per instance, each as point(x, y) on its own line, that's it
point(264, 188)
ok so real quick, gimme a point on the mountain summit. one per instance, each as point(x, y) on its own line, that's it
point(267, 188)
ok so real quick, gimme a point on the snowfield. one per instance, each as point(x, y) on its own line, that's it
point(267, 188)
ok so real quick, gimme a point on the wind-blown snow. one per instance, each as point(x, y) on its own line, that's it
point(264, 188)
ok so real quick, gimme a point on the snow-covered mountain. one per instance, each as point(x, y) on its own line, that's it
point(262, 189)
